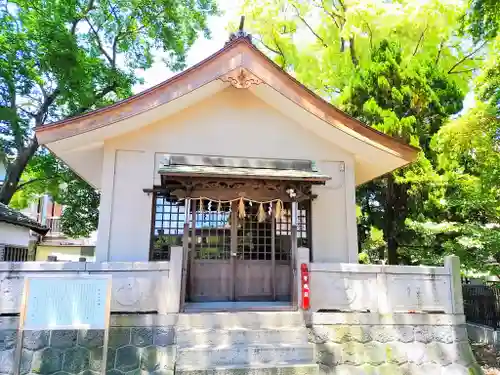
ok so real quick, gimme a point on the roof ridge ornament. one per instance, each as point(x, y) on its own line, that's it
point(240, 33)
point(241, 78)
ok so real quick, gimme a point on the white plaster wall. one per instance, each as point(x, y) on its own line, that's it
point(129, 236)
point(233, 123)
point(14, 235)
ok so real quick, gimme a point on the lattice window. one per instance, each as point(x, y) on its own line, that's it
point(212, 237)
point(168, 225)
point(213, 231)
point(284, 229)
point(15, 253)
point(254, 237)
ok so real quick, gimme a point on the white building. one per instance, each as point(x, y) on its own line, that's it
point(231, 187)
point(18, 233)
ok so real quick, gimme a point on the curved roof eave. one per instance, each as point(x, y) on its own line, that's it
point(239, 53)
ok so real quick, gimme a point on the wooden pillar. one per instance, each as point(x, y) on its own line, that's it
point(273, 253)
point(185, 253)
point(293, 259)
point(234, 249)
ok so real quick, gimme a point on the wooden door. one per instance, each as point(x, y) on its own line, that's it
point(259, 274)
point(211, 269)
point(239, 259)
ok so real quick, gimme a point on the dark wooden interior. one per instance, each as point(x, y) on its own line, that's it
point(231, 258)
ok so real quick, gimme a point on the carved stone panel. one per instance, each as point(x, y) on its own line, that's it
point(344, 292)
point(11, 292)
point(138, 291)
point(418, 293)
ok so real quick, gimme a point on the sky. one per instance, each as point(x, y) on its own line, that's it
point(201, 49)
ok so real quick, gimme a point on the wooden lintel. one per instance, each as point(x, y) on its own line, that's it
point(155, 189)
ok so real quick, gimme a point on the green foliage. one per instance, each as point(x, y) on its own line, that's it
point(469, 160)
point(411, 103)
point(408, 102)
point(403, 67)
point(81, 206)
point(62, 58)
point(46, 174)
point(482, 19)
point(324, 42)
point(374, 246)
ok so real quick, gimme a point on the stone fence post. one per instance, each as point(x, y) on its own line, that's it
point(173, 298)
point(452, 264)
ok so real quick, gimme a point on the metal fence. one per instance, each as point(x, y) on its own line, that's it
point(54, 223)
point(482, 304)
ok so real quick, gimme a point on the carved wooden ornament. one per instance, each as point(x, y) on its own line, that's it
point(241, 78)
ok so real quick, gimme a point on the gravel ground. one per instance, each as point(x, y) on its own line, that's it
point(488, 358)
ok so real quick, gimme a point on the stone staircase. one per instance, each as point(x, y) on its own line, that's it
point(245, 343)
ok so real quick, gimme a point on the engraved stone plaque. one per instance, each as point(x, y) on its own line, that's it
point(58, 302)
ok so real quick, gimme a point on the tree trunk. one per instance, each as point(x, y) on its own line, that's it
point(15, 169)
point(390, 218)
point(392, 250)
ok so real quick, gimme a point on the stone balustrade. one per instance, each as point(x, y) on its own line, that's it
point(384, 289)
point(137, 286)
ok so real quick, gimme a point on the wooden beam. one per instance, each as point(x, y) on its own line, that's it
point(293, 257)
point(273, 253)
point(234, 249)
point(185, 254)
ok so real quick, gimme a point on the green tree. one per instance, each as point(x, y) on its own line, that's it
point(410, 103)
point(482, 23)
point(324, 42)
point(482, 20)
point(399, 66)
point(469, 158)
point(60, 58)
point(468, 163)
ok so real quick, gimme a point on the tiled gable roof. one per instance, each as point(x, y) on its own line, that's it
point(11, 216)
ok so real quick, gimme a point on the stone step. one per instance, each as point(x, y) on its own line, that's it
point(241, 336)
point(245, 319)
point(244, 356)
point(254, 370)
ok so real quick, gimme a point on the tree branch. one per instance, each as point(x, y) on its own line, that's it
point(98, 40)
point(31, 114)
point(370, 32)
point(22, 185)
point(269, 48)
point(89, 7)
point(281, 54)
point(441, 45)
point(419, 41)
point(333, 14)
point(466, 57)
point(117, 36)
point(97, 97)
point(14, 121)
point(309, 27)
point(352, 50)
point(41, 115)
point(463, 71)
